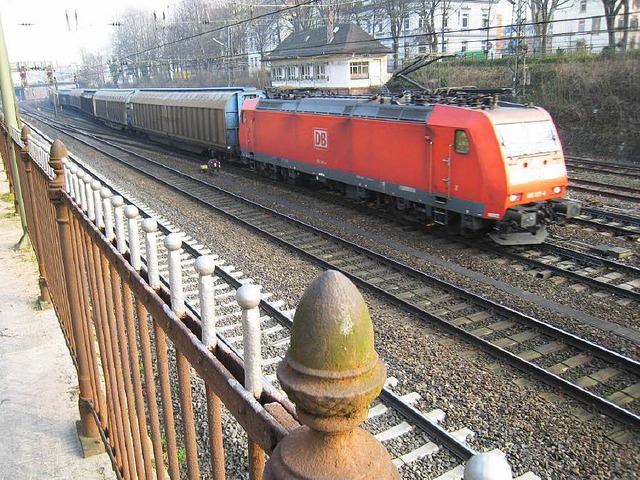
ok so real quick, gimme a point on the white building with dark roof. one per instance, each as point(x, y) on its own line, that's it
point(581, 25)
point(343, 59)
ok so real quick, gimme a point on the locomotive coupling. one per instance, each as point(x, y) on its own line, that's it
point(522, 216)
point(566, 207)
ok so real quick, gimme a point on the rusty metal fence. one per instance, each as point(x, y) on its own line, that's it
point(140, 354)
point(155, 378)
point(125, 337)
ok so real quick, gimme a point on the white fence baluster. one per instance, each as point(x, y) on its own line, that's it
point(106, 194)
point(118, 212)
point(173, 243)
point(488, 466)
point(205, 265)
point(97, 202)
point(150, 227)
point(248, 297)
point(132, 212)
point(91, 211)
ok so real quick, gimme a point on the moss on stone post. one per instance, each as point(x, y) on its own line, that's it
point(332, 373)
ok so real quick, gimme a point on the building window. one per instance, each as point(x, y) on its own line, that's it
point(595, 24)
point(422, 48)
point(581, 26)
point(359, 70)
point(306, 71)
point(278, 73)
point(465, 20)
point(445, 45)
point(485, 19)
point(380, 28)
point(406, 23)
point(292, 72)
point(445, 22)
point(321, 71)
point(465, 45)
point(583, 6)
point(421, 21)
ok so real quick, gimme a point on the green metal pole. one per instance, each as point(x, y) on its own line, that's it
point(11, 120)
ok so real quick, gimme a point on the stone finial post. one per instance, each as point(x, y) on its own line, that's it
point(488, 466)
point(332, 373)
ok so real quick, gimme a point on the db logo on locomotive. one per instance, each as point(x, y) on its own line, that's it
point(320, 138)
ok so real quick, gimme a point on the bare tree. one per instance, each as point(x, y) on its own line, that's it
point(303, 16)
point(612, 9)
point(91, 73)
point(343, 11)
point(265, 29)
point(542, 12)
point(426, 11)
point(396, 11)
point(191, 36)
point(135, 44)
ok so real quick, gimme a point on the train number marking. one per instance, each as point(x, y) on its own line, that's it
point(541, 193)
point(320, 138)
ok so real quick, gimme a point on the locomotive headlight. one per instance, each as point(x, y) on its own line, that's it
point(557, 189)
point(514, 197)
point(528, 220)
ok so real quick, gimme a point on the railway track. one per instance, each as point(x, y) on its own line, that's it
point(594, 375)
point(617, 223)
point(614, 168)
point(598, 188)
point(599, 273)
point(396, 418)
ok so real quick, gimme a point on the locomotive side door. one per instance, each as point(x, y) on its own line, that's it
point(429, 139)
point(458, 162)
point(440, 150)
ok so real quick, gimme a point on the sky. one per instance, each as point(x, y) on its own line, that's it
point(50, 39)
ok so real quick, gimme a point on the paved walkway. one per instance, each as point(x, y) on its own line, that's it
point(38, 382)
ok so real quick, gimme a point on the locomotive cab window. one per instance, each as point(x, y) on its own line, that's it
point(461, 142)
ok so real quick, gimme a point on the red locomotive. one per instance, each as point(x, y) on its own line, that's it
point(499, 168)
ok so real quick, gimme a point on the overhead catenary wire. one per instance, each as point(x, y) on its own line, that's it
point(470, 31)
point(478, 30)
